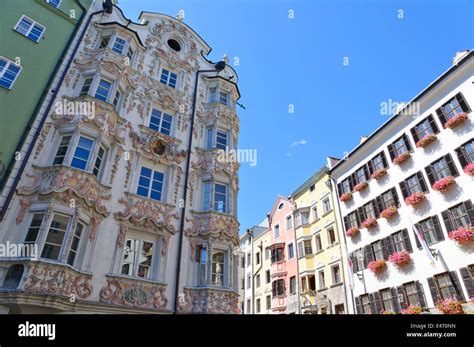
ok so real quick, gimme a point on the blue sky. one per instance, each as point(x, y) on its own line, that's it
point(299, 61)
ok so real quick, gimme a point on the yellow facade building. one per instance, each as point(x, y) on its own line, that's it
point(261, 273)
point(320, 245)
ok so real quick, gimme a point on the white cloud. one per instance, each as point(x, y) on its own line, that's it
point(299, 142)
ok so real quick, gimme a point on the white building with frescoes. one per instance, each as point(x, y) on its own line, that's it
point(128, 204)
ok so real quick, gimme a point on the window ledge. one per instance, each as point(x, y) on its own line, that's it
point(136, 278)
point(322, 289)
point(336, 285)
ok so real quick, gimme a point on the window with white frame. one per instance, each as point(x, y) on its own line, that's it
point(150, 183)
point(160, 121)
point(322, 279)
point(315, 212)
point(86, 86)
point(289, 222)
point(30, 28)
point(218, 95)
point(54, 3)
point(202, 264)
point(82, 153)
point(103, 90)
point(318, 241)
point(218, 260)
point(327, 205)
point(291, 251)
point(217, 139)
point(168, 78)
point(130, 54)
point(55, 243)
point(137, 258)
point(276, 231)
point(119, 45)
point(308, 247)
point(223, 97)
point(9, 72)
point(336, 274)
point(213, 94)
point(216, 197)
point(62, 150)
point(331, 235)
point(104, 41)
point(117, 98)
point(98, 161)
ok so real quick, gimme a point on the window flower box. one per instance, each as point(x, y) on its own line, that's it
point(389, 212)
point(415, 198)
point(456, 120)
point(352, 232)
point(379, 173)
point(346, 197)
point(462, 235)
point(425, 141)
point(387, 312)
point(400, 258)
point(443, 184)
point(376, 266)
point(401, 158)
point(450, 306)
point(369, 222)
point(361, 186)
point(469, 169)
point(412, 309)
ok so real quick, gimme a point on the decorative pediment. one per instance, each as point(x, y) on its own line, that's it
point(71, 183)
point(158, 147)
point(147, 214)
point(215, 225)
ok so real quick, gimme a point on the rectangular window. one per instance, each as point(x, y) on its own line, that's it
point(429, 231)
point(137, 258)
point(86, 86)
point(446, 286)
point(300, 249)
point(399, 241)
point(29, 28)
point(277, 255)
point(267, 276)
point(207, 196)
point(315, 212)
point(248, 306)
point(291, 251)
point(451, 108)
point(220, 198)
point(33, 230)
point(54, 3)
point(160, 121)
point(130, 54)
point(400, 146)
point(361, 175)
point(269, 302)
point(289, 222)
point(326, 205)
point(257, 258)
point(352, 218)
point(278, 287)
point(346, 186)
point(424, 128)
point(377, 248)
point(308, 248)
point(276, 231)
point(82, 153)
point(365, 304)
point(150, 183)
point(369, 210)
point(103, 90)
point(258, 281)
point(441, 169)
point(459, 216)
point(104, 42)
point(267, 253)
point(322, 280)
point(378, 163)
point(387, 300)
point(62, 150)
point(213, 94)
point(293, 285)
point(76, 239)
point(98, 161)
point(466, 153)
point(202, 265)
point(305, 218)
point(117, 96)
point(217, 275)
point(223, 98)
point(9, 72)
point(359, 257)
point(336, 274)
point(119, 45)
point(415, 184)
point(221, 140)
point(258, 306)
point(319, 243)
point(331, 235)
point(55, 238)
point(412, 293)
point(168, 78)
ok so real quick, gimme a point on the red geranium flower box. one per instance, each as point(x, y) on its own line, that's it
point(412, 309)
point(400, 258)
point(443, 184)
point(346, 197)
point(361, 186)
point(469, 169)
point(456, 120)
point(450, 306)
point(369, 222)
point(379, 173)
point(352, 232)
point(401, 158)
point(377, 265)
point(415, 198)
point(389, 212)
point(425, 141)
point(462, 235)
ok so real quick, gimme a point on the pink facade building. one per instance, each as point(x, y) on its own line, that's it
point(284, 263)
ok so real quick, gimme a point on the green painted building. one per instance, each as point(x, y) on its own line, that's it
point(34, 37)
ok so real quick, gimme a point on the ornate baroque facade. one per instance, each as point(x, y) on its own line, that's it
point(103, 193)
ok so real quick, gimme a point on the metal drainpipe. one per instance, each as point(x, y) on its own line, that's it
point(186, 177)
point(53, 97)
point(343, 250)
